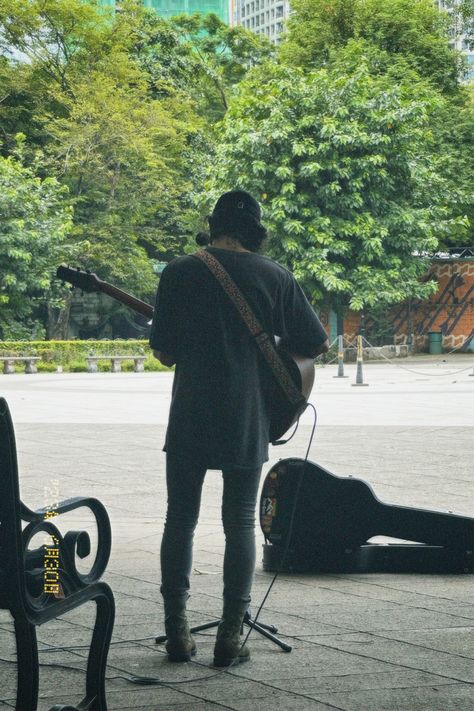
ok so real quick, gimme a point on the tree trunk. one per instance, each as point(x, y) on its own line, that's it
point(58, 320)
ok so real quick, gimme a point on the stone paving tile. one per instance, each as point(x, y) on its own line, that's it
point(463, 611)
point(445, 587)
point(404, 654)
point(390, 588)
point(290, 625)
point(53, 682)
point(129, 698)
point(394, 678)
point(453, 697)
point(279, 699)
point(270, 664)
point(150, 628)
point(458, 640)
point(193, 705)
point(385, 618)
point(227, 688)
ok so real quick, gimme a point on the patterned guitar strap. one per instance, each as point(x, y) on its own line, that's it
point(262, 339)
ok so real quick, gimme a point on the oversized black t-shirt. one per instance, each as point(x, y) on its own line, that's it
point(220, 408)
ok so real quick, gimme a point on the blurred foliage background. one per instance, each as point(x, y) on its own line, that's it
point(119, 130)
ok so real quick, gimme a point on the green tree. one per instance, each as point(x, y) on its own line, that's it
point(218, 58)
point(404, 40)
point(123, 159)
point(123, 106)
point(197, 56)
point(125, 155)
point(413, 29)
point(467, 19)
point(452, 127)
point(462, 18)
point(35, 222)
point(342, 163)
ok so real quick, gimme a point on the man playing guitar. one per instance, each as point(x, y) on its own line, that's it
point(221, 406)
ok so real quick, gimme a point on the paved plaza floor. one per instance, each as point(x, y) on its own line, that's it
point(378, 642)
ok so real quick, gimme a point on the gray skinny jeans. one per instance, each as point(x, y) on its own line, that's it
point(184, 478)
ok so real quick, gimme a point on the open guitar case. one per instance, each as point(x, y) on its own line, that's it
point(335, 518)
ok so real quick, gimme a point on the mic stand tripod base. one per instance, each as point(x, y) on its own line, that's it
point(267, 631)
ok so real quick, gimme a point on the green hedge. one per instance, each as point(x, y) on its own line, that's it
point(71, 355)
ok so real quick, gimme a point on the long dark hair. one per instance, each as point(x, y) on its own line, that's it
point(243, 228)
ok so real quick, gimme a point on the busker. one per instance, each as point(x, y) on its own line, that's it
point(221, 404)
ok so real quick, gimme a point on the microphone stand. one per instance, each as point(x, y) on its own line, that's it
point(267, 631)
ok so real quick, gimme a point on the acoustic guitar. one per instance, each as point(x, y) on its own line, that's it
point(300, 368)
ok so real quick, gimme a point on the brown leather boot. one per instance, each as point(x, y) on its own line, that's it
point(180, 644)
point(228, 648)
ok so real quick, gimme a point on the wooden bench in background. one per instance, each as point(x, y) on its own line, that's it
point(40, 584)
point(29, 361)
point(116, 361)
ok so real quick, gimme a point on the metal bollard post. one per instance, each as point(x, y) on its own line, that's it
point(359, 376)
point(340, 358)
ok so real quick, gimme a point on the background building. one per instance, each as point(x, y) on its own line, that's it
point(458, 40)
point(449, 312)
point(168, 8)
point(264, 17)
point(268, 16)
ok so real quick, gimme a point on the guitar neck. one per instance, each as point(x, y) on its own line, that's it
point(137, 305)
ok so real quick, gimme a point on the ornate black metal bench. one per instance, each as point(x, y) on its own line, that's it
point(37, 585)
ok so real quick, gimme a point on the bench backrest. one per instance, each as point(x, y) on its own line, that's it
point(11, 549)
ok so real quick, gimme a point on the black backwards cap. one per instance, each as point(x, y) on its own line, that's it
point(238, 214)
point(237, 204)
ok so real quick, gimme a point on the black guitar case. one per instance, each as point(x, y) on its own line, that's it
point(335, 518)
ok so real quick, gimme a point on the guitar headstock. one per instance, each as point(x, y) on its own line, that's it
point(77, 277)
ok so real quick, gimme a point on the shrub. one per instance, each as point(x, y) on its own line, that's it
point(45, 367)
point(77, 366)
point(153, 365)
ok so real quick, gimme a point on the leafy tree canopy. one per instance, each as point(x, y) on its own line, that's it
point(452, 127)
point(414, 29)
point(219, 57)
point(197, 55)
point(342, 163)
point(125, 155)
point(35, 221)
point(462, 15)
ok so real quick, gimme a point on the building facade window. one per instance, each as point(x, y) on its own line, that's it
point(262, 15)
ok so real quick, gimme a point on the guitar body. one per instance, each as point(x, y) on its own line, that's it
point(284, 415)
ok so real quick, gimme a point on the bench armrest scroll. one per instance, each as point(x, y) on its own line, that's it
point(74, 542)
